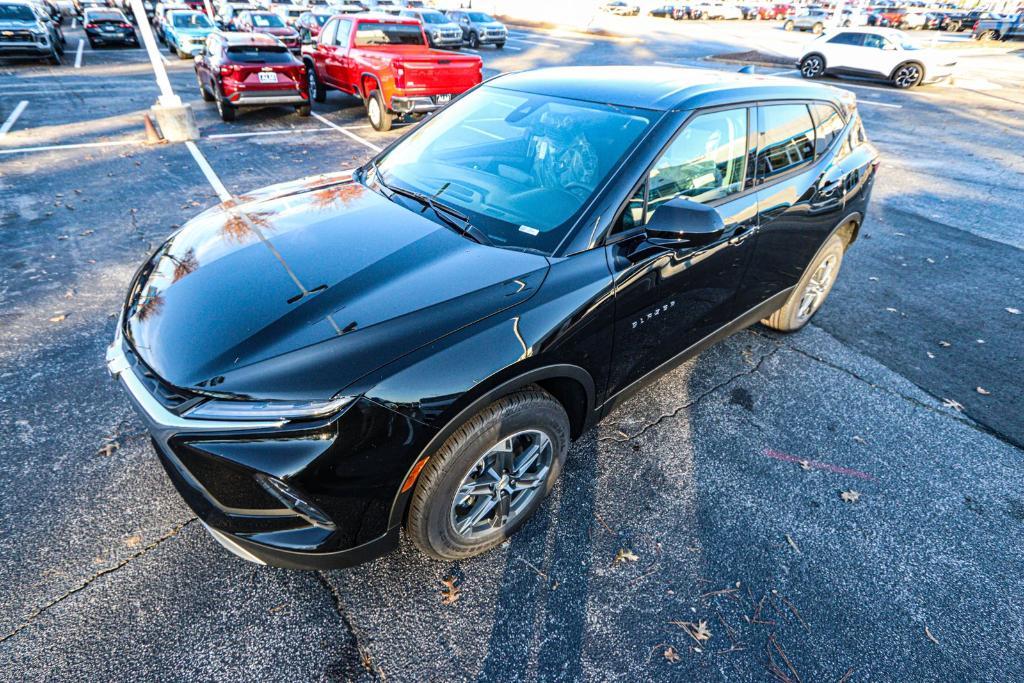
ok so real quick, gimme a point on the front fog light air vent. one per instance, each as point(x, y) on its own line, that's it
point(296, 501)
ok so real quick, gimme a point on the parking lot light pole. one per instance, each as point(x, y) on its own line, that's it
point(175, 118)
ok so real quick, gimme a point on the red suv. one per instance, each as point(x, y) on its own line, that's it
point(250, 69)
point(271, 24)
point(387, 62)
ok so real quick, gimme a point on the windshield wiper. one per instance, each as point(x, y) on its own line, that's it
point(442, 211)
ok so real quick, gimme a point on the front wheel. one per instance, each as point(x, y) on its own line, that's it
point(499, 46)
point(788, 26)
point(812, 289)
point(908, 76)
point(812, 66)
point(304, 110)
point(490, 476)
point(380, 118)
point(474, 40)
point(317, 91)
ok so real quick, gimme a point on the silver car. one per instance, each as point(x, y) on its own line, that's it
point(480, 28)
point(441, 31)
point(813, 20)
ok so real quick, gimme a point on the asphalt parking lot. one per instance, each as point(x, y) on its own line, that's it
point(724, 480)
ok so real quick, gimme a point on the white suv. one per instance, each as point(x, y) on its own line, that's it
point(882, 53)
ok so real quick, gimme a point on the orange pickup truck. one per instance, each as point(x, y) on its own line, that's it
point(385, 60)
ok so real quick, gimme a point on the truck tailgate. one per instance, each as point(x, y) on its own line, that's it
point(441, 74)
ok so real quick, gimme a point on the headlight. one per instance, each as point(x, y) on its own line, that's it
point(435, 34)
point(219, 409)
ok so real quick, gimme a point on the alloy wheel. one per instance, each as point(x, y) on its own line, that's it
point(811, 67)
point(311, 77)
point(501, 484)
point(907, 76)
point(817, 288)
point(373, 111)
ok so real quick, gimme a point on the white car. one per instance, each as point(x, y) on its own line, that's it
point(720, 10)
point(881, 53)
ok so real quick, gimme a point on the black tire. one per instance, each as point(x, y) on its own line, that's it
point(304, 110)
point(953, 26)
point(989, 35)
point(317, 91)
point(788, 26)
point(794, 314)
point(207, 97)
point(812, 66)
point(54, 58)
point(380, 118)
point(499, 46)
point(430, 522)
point(474, 40)
point(170, 48)
point(226, 110)
point(908, 75)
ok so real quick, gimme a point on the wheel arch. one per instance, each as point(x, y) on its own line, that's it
point(824, 61)
point(570, 385)
point(364, 92)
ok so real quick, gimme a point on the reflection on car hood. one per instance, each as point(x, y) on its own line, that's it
point(323, 272)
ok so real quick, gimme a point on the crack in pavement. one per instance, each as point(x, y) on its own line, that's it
point(85, 584)
point(366, 660)
point(675, 412)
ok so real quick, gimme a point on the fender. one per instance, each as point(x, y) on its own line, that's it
point(359, 87)
point(559, 371)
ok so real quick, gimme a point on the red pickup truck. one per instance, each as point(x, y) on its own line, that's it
point(386, 61)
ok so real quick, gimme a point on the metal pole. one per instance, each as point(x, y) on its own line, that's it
point(167, 96)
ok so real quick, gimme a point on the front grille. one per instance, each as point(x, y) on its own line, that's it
point(17, 37)
point(173, 399)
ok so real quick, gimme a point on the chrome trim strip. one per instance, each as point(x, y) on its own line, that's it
point(231, 545)
point(161, 418)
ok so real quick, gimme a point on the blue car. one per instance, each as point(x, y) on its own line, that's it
point(185, 32)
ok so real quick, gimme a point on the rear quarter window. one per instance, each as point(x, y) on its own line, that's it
point(828, 124)
point(786, 139)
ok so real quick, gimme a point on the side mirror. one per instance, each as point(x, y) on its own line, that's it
point(684, 222)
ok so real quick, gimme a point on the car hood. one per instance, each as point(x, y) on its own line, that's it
point(200, 32)
point(19, 25)
point(276, 30)
point(320, 280)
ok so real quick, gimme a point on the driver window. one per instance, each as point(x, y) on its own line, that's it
point(327, 35)
point(344, 29)
point(872, 40)
point(704, 163)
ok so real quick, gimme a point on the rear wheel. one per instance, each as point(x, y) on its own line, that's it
point(304, 110)
point(989, 35)
point(788, 26)
point(226, 110)
point(490, 476)
point(953, 26)
point(811, 291)
point(380, 118)
point(908, 76)
point(317, 91)
point(812, 66)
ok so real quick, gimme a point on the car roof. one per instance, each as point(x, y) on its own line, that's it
point(235, 38)
point(891, 32)
point(383, 16)
point(660, 88)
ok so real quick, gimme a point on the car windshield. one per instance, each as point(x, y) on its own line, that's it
point(104, 16)
point(321, 19)
point(267, 21)
point(480, 17)
point(376, 33)
point(16, 13)
point(433, 18)
point(260, 54)
point(190, 20)
point(521, 166)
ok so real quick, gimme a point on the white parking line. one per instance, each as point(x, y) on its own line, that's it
point(548, 36)
point(74, 23)
point(514, 49)
point(365, 143)
point(286, 131)
point(78, 145)
point(535, 42)
point(207, 170)
point(12, 118)
point(78, 53)
point(469, 49)
point(880, 104)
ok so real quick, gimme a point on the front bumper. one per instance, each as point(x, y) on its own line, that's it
point(347, 467)
point(493, 38)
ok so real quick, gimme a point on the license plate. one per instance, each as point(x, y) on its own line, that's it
point(268, 77)
point(109, 29)
point(443, 99)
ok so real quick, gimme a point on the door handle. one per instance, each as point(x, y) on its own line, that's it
point(742, 233)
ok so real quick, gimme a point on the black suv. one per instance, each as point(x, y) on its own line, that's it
point(417, 343)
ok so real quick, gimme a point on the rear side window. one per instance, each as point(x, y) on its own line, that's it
point(847, 39)
point(828, 124)
point(787, 139)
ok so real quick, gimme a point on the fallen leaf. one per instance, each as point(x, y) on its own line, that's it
point(625, 555)
point(850, 496)
point(983, 391)
point(133, 540)
point(930, 260)
point(1013, 311)
point(873, 279)
point(59, 318)
point(109, 448)
point(86, 233)
point(930, 354)
point(699, 631)
point(980, 341)
point(929, 636)
point(950, 403)
point(945, 344)
point(792, 543)
point(892, 310)
point(860, 439)
point(805, 464)
point(670, 655)
point(450, 592)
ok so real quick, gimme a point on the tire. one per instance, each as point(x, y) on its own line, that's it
point(226, 110)
point(908, 75)
point(317, 91)
point(953, 26)
point(54, 58)
point(499, 46)
point(799, 309)
point(170, 48)
point(380, 118)
point(92, 44)
point(525, 420)
point(304, 110)
point(817, 29)
point(989, 35)
point(788, 26)
point(474, 40)
point(183, 55)
point(207, 97)
point(812, 66)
